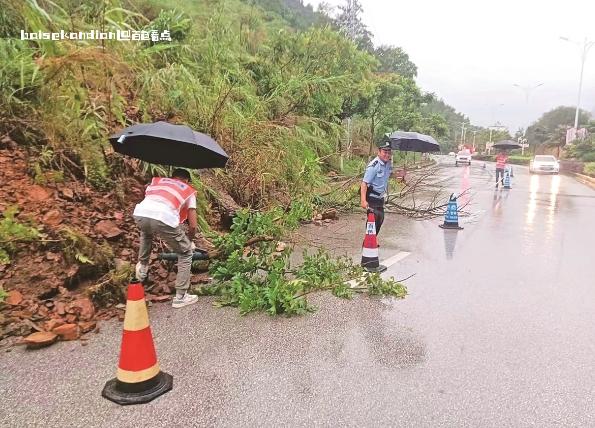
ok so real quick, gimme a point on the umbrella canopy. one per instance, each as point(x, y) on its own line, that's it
point(167, 144)
point(507, 145)
point(412, 142)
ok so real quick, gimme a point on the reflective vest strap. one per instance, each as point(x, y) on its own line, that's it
point(500, 161)
point(164, 196)
point(173, 192)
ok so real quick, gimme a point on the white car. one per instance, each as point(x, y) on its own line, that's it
point(544, 163)
point(464, 156)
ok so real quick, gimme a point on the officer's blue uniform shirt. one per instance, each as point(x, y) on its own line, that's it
point(377, 175)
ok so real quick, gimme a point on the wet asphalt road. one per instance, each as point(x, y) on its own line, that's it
point(498, 330)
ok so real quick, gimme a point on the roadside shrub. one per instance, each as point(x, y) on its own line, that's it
point(11, 232)
point(590, 169)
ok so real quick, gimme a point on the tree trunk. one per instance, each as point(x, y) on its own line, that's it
point(372, 128)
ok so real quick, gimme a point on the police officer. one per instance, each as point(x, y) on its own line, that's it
point(374, 185)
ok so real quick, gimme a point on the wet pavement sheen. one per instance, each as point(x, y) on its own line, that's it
point(498, 330)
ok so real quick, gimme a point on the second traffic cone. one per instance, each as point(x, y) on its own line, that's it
point(451, 217)
point(138, 379)
point(370, 261)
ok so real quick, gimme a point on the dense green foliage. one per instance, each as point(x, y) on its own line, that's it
point(590, 169)
point(455, 121)
point(583, 150)
point(260, 277)
point(269, 79)
point(12, 232)
point(550, 128)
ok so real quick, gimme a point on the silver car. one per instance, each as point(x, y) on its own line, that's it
point(544, 163)
point(464, 156)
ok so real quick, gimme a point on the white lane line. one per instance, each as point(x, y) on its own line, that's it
point(388, 263)
point(396, 258)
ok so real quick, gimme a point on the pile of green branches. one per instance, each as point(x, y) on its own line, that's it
point(261, 277)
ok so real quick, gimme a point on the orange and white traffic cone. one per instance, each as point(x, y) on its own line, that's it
point(138, 379)
point(370, 261)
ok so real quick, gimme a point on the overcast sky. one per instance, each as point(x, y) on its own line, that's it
point(471, 52)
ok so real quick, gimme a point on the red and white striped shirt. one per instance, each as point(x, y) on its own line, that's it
point(501, 159)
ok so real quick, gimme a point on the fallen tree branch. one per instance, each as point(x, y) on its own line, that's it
point(214, 254)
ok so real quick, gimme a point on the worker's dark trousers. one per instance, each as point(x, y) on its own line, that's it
point(499, 175)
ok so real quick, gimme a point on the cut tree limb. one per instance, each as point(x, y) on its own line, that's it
point(217, 253)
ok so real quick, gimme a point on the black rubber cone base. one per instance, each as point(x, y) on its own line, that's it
point(451, 226)
point(378, 269)
point(123, 393)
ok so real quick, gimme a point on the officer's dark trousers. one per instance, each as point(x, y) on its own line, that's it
point(378, 208)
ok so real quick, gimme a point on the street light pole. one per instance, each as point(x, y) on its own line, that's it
point(462, 133)
point(587, 44)
point(474, 133)
point(527, 90)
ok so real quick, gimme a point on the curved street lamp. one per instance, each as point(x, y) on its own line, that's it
point(527, 90)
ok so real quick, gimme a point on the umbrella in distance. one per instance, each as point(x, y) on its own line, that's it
point(506, 145)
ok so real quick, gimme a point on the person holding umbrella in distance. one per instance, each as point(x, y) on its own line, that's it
point(501, 159)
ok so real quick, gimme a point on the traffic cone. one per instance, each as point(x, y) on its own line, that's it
point(138, 378)
point(507, 179)
point(451, 217)
point(370, 261)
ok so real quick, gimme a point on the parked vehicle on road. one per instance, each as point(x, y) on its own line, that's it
point(544, 163)
point(464, 156)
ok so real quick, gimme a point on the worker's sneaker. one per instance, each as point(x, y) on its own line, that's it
point(141, 271)
point(187, 299)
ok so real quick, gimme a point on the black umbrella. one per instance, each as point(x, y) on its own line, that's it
point(166, 144)
point(507, 145)
point(412, 142)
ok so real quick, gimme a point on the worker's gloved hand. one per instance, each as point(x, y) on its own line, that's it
point(192, 246)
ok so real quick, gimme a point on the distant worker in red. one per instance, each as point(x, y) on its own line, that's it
point(168, 203)
point(501, 159)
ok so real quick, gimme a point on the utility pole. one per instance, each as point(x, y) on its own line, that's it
point(587, 44)
point(527, 90)
point(474, 132)
point(462, 134)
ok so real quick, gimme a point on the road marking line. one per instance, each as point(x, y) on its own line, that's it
point(388, 263)
point(396, 258)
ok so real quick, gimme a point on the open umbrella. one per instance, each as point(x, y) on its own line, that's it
point(167, 144)
point(506, 145)
point(412, 142)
